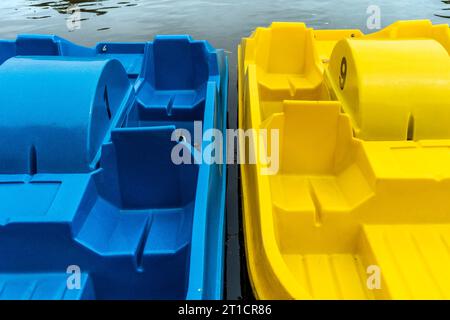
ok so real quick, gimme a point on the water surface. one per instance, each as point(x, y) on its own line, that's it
point(223, 23)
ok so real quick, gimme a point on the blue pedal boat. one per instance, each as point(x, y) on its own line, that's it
point(92, 205)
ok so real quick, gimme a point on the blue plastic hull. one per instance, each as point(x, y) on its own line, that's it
point(91, 204)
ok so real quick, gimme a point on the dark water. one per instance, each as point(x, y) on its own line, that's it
point(223, 23)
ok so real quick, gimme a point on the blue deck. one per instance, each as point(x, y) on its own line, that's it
point(86, 176)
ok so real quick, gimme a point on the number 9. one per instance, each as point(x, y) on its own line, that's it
point(343, 75)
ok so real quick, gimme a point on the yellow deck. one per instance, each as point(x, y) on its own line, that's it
point(364, 161)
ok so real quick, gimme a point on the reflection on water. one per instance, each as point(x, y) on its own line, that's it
point(99, 8)
point(85, 6)
point(447, 14)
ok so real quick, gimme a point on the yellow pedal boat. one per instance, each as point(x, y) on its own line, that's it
point(358, 206)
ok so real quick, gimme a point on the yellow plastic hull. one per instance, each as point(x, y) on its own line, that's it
point(359, 206)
